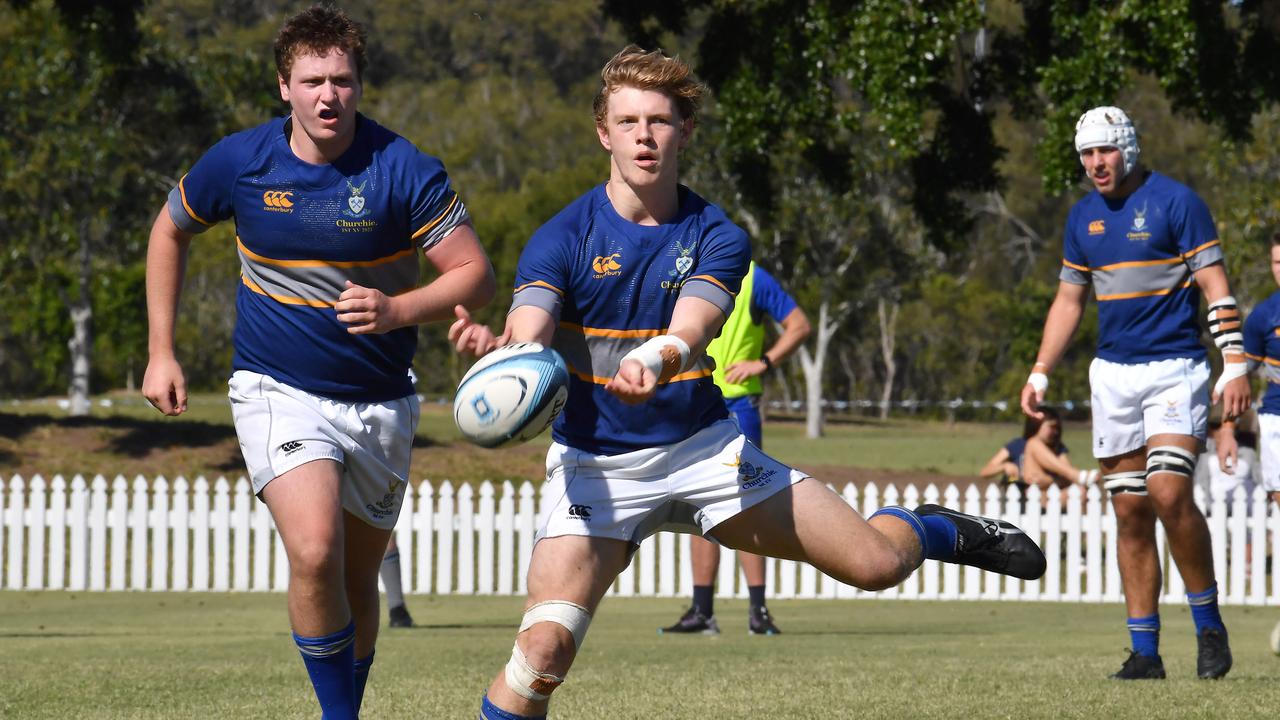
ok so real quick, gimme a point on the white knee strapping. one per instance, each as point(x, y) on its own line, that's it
point(1171, 460)
point(522, 678)
point(1133, 482)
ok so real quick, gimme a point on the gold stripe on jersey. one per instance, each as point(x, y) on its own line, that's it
point(1138, 263)
point(1074, 266)
point(1143, 293)
point(611, 332)
point(289, 300)
point(713, 281)
point(323, 263)
point(183, 192)
point(689, 375)
point(542, 284)
point(439, 218)
point(1205, 246)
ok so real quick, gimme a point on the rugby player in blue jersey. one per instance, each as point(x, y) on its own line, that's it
point(331, 211)
point(629, 283)
point(1149, 247)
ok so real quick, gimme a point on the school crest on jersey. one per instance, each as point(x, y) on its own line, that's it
point(684, 263)
point(1138, 231)
point(355, 201)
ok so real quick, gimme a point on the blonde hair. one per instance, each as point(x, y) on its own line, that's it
point(634, 67)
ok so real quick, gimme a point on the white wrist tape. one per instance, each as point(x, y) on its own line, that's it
point(1039, 381)
point(1225, 325)
point(1230, 371)
point(658, 352)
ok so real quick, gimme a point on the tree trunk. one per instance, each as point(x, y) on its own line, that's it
point(81, 342)
point(888, 334)
point(813, 365)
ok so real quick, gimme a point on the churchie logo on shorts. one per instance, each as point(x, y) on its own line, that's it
point(606, 266)
point(280, 201)
point(749, 474)
point(1097, 227)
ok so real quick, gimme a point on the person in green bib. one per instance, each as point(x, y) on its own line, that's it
point(740, 362)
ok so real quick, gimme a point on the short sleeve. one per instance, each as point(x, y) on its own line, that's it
point(204, 196)
point(724, 255)
point(1255, 333)
point(1075, 264)
point(767, 296)
point(1193, 229)
point(542, 274)
point(435, 208)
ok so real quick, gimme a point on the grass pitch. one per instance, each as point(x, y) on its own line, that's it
point(166, 655)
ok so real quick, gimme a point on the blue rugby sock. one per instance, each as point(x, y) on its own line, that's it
point(756, 595)
point(489, 711)
point(1144, 633)
point(704, 599)
point(1204, 609)
point(330, 661)
point(937, 534)
point(362, 678)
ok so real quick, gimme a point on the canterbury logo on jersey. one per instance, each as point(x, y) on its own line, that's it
point(1097, 227)
point(580, 511)
point(277, 201)
point(606, 265)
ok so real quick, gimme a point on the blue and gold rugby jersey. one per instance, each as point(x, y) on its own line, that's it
point(1262, 346)
point(1140, 253)
point(611, 285)
point(302, 231)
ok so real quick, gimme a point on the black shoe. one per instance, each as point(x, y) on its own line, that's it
point(693, 621)
point(1214, 658)
point(993, 545)
point(760, 622)
point(400, 617)
point(1140, 667)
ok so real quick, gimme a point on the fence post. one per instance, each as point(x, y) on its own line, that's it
point(1258, 526)
point(1238, 539)
point(525, 527)
point(181, 524)
point(220, 524)
point(444, 540)
point(506, 539)
point(35, 534)
point(403, 533)
point(240, 536)
point(200, 520)
point(484, 528)
point(79, 522)
point(1031, 589)
point(160, 535)
point(98, 535)
point(466, 525)
point(119, 536)
point(424, 526)
point(260, 518)
point(17, 524)
point(1093, 547)
point(1075, 527)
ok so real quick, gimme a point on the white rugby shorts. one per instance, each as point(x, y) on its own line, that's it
point(1132, 402)
point(1269, 449)
point(281, 427)
point(689, 486)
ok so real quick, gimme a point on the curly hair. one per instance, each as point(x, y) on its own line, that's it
point(634, 67)
point(318, 30)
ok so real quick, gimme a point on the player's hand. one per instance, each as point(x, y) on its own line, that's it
point(164, 386)
point(744, 370)
point(366, 310)
point(1235, 397)
point(1031, 399)
point(1228, 450)
point(633, 384)
point(470, 337)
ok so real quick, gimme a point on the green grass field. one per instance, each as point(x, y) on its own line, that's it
point(143, 655)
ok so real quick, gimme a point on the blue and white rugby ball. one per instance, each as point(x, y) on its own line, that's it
point(511, 395)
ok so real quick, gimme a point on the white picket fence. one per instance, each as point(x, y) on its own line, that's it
point(201, 536)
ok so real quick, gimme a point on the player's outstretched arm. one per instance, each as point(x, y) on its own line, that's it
point(1232, 387)
point(524, 324)
point(1060, 324)
point(466, 278)
point(163, 384)
point(694, 323)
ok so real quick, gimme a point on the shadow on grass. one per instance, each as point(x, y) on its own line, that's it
point(130, 436)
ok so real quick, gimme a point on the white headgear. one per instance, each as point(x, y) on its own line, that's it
point(1108, 126)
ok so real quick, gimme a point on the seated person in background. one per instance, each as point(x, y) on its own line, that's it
point(1211, 475)
point(1006, 464)
point(1044, 459)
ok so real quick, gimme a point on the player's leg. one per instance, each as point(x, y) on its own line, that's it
point(700, 617)
point(364, 547)
point(397, 610)
point(305, 504)
point(746, 411)
point(1140, 577)
point(809, 522)
point(568, 575)
point(1176, 417)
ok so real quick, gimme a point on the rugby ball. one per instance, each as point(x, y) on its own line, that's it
point(511, 395)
